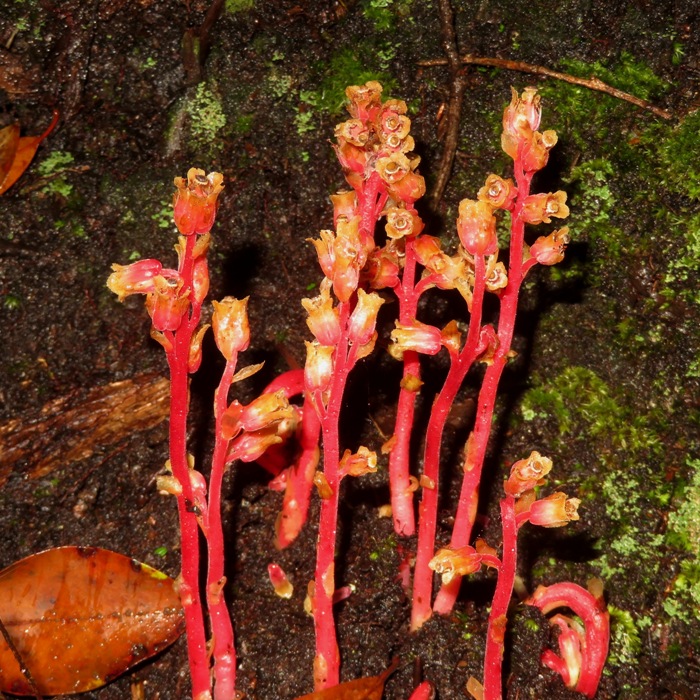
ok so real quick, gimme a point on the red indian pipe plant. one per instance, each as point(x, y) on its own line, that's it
point(174, 300)
point(375, 150)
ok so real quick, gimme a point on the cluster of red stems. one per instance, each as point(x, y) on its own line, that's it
point(374, 148)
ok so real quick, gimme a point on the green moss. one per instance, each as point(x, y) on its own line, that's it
point(625, 638)
point(683, 602)
point(233, 6)
point(627, 450)
point(55, 168)
point(384, 13)
point(207, 118)
point(350, 66)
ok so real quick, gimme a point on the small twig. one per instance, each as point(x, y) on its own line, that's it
point(590, 83)
point(20, 662)
point(454, 105)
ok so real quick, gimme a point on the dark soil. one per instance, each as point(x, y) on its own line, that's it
point(125, 76)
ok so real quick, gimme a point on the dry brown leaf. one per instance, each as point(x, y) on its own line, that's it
point(371, 688)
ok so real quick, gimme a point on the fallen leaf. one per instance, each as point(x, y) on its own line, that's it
point(371, 688)
point(78, 617)
point(16, 152)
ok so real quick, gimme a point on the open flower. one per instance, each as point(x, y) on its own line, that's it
point(549, 250)
point(525, 474)
point(194, 203)
point(498, 192)
point(539, 208)
point(449, 562)
point(555, 510)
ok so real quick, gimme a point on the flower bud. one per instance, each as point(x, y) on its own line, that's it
point(195, 201)
point(323, 318)
point(250, 446)
point(408, 189)
point(476, 227)
point(318, 370)
point(363, 318)
point(520, 119)
point(230, 324)
point(194, 358)
point(555, 510)
point(535, 151)
point(265, 410)
point(344, 204)
point(382, 269)
point(200, 279)
point(165, 305)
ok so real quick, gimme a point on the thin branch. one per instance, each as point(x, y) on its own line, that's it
point(454, 105)
point(590, 83)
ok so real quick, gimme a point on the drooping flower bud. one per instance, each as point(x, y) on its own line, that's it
point(476, 227)
point(362, 462)
point(136, 278)
point(195, 201)
point(449, 562)
point(408, 189)
point(418, 337)
point(230, 324)
point(382, 269)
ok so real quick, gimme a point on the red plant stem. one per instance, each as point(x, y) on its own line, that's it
point(300, 475)
point(498, 617)
point(327, 661)
point(399, 471)
point(427, 513)
point(189, 529)
point(469, 495)
point(223, 651)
